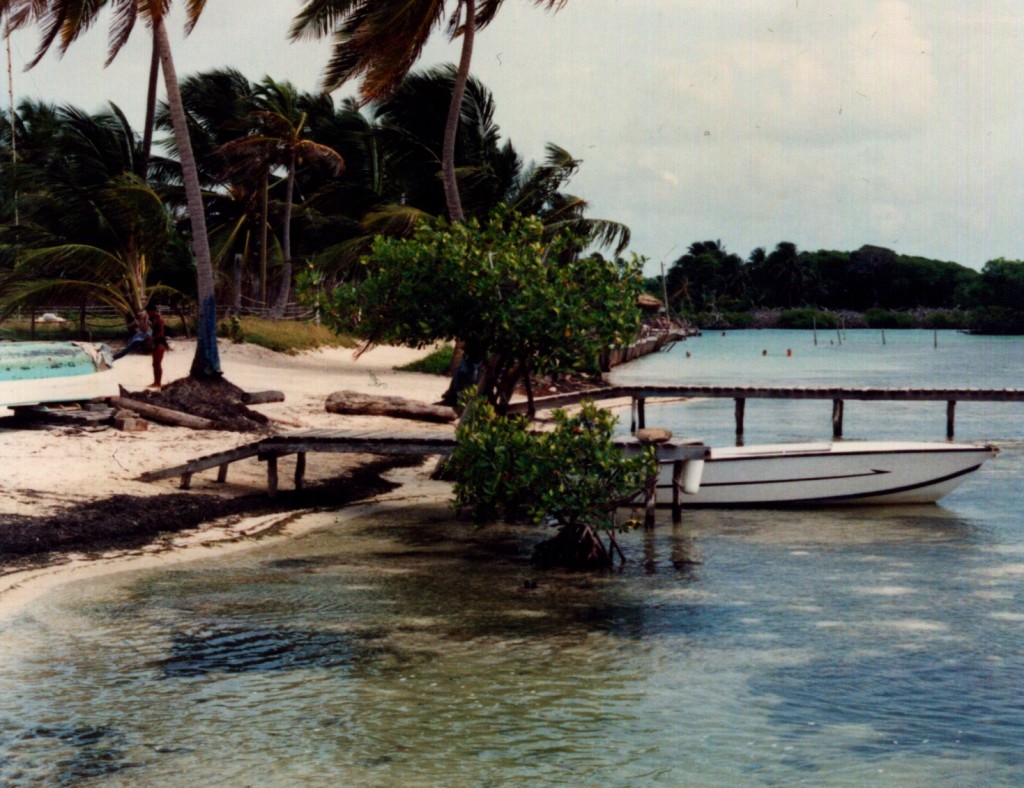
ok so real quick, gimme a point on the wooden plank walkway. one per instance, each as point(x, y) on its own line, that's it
point(406, 442)
point(740, 394)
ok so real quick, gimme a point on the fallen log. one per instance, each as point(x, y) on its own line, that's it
point(163, 415)
point(260, 397)
point(356, 403)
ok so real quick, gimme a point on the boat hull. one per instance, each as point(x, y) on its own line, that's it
point(839, 474)
point(34, 373)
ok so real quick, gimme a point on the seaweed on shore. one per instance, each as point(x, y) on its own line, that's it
point(123, 522)
point(218, 400)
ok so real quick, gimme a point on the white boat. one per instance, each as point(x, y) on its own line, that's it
point(36, 373)
point(817, 474)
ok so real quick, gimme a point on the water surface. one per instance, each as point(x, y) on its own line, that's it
point(844, 647)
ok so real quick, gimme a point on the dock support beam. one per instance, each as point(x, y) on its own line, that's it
point(272, 475)
point(641, 413)
point(837, 418)
point(300, 469)
point(650, 501)
point(950, 418)
point(677, 484)
point(741, 407)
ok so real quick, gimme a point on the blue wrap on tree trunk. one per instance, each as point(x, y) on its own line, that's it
point(206, 363)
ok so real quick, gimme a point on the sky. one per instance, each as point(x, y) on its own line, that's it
point(827, 123)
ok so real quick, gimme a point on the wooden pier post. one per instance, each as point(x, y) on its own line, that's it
point(272, 475)
point(641, 413)
point(741, 407)
point(654, 437)
point(300, 469)
point(677, 483)
point(837, 418)
point(950, 417)
point(222, 473)
point(650, 501)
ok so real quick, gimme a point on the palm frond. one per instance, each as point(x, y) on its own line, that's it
point(193, 10)
point(122, 24)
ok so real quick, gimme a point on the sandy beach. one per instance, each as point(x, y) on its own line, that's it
point(49, 470)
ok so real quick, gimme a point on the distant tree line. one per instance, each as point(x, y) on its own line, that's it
point(713, 286)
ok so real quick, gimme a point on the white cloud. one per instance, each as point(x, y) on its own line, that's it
point(824, 122)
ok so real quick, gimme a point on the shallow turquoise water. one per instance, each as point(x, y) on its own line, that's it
point(842, 647)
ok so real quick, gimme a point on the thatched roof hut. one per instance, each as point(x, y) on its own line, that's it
point(649, 303)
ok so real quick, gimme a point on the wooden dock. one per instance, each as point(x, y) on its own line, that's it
point(425, 443)
point(740, 394)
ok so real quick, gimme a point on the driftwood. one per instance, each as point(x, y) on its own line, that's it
point(163, 415)
point(259, 397)
point(355, 403)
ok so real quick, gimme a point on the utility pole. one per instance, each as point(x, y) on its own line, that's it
point(664, 287)
point(10, 102)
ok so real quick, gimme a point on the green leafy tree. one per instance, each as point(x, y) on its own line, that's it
point(1001, 284)
point(700, 279)
point(999, 297)
point(501, 289)
point(573, 477)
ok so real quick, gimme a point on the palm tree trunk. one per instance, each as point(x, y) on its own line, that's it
point(206, 363)
point(147, 132)
point(264, 225)
point(286, 244)
point(451, 129)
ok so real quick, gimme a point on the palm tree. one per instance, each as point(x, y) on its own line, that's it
point(280, 140)
point(393, 162)
point(33, 135)
point(218, 105)
point(91, 228)
point(538, 191)
point(379, 41)
point(68, 19)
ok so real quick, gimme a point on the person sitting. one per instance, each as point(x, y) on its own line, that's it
point(140, 339)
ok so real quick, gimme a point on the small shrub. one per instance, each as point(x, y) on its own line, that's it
point(725, 320)
point(884, 318)
point(283, 336)
point(997, 320)
point(573, 477)
point(437, 363)
point(807, 318)
point(739, 319)
point(946, 319)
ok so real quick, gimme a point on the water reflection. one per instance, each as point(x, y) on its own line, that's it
point(738, 647)
point(221, 649)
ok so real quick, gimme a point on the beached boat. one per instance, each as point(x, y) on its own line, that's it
point(35, 373)
point(816, 474)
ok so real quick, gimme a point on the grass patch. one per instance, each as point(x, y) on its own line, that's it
point(97, 330)
point(436, 363)
point(283, 336)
